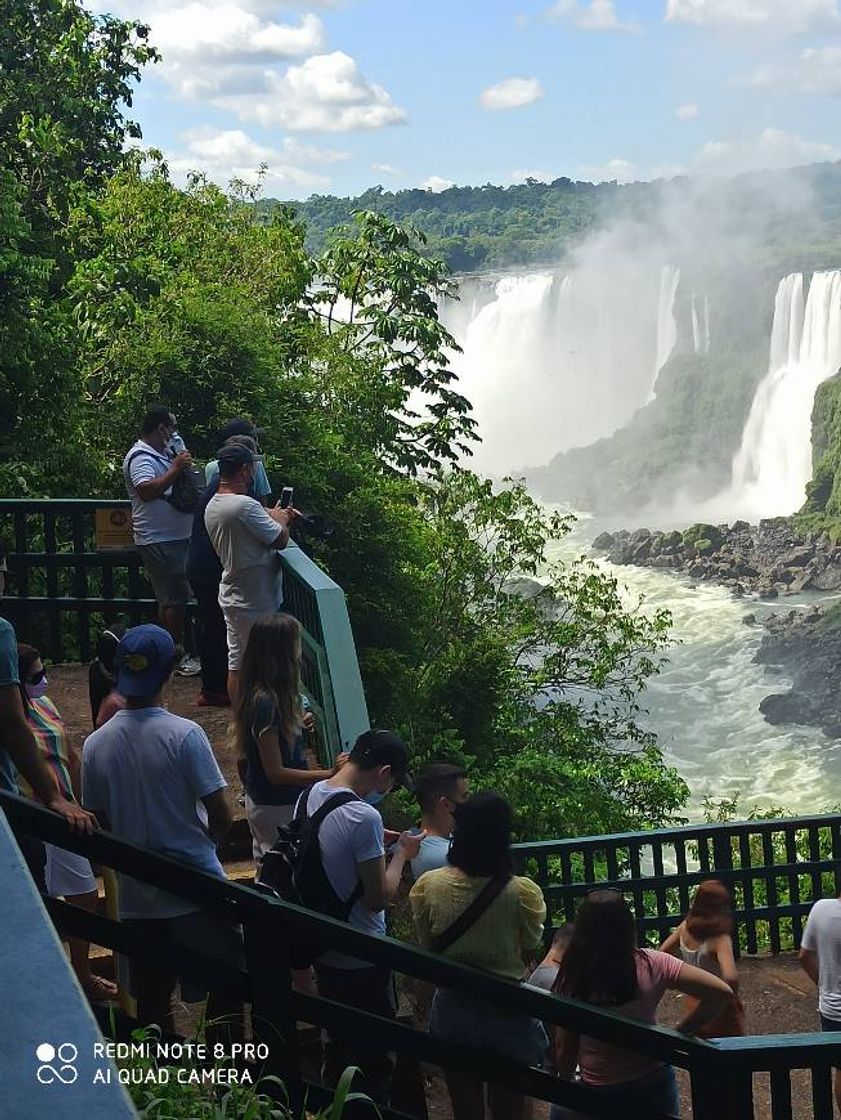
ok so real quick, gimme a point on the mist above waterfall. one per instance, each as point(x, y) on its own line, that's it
point(627, 373)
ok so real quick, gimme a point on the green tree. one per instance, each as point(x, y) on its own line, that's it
point(535, 680)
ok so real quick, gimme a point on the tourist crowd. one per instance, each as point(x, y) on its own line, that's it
point(152, 777)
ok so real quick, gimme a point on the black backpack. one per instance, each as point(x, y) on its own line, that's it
point(186, 490)
point(293, 870)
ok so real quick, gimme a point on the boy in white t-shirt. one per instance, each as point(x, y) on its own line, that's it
point(351, 839)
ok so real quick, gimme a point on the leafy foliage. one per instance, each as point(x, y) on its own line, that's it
point(121, 290)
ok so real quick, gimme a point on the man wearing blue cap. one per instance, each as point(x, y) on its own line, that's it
point(154, 779)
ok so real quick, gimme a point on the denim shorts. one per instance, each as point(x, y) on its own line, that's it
point(458, 1017)
point(653, 1094)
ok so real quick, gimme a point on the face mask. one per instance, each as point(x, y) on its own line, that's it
point(33, 691)
point(374, 798)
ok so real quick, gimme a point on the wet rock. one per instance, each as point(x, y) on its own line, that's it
point(829, 579)
point(604, 542)
point(749, 620)
point(801, 582)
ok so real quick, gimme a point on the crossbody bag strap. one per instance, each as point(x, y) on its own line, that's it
point(491, 890)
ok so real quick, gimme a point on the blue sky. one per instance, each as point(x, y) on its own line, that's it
point(336, 95)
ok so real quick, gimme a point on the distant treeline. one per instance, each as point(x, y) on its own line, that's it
point(474, 228)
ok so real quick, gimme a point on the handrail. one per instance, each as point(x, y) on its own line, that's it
point(720, 1071)
point(232, 900)
point(67, 581)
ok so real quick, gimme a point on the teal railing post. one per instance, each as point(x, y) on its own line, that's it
point(319, 604)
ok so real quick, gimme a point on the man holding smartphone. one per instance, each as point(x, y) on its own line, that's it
point(246, 538)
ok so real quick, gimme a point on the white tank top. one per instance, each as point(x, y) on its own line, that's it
point(700, 957)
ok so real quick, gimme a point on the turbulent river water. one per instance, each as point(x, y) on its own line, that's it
point(704, 705)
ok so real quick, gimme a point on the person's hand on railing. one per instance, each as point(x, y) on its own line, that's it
point(79, 819)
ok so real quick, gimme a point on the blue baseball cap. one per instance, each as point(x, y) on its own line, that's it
point(144, 660)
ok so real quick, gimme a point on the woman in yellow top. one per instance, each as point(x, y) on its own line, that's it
point(504, 939)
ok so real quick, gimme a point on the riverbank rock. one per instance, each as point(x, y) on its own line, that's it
point(765, 560)
point(806, 647)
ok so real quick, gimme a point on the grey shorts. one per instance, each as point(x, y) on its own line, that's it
point(166, 569)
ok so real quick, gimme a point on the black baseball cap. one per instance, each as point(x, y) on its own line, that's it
point(384, 748)
point(235, 454)
point(239, 426)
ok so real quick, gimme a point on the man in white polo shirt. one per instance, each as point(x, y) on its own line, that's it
point(161, 532)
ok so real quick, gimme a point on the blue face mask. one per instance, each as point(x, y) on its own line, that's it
point(374, 798)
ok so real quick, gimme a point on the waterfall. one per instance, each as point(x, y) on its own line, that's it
point(666, 321)
point(700, 327)
point(774, 462)
point(558, 358)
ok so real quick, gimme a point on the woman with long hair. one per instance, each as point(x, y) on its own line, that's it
point(602, 966)
point(68, 875)
point(268, 721)
point(705, 939)
point(503, 935)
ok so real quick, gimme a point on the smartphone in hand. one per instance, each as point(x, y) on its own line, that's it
point(285, 497)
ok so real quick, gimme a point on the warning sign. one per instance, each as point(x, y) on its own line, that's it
point(113, 529)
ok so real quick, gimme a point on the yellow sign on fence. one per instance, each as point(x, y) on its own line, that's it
point(113, 529)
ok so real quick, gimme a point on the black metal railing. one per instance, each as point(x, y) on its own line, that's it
point(62, 589)
point(775, 870)
point(721, 1073)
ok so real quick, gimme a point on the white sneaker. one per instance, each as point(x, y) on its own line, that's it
point(189, 667)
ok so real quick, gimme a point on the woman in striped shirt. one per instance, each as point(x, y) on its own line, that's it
point(68, 875)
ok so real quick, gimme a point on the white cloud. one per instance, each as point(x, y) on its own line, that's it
point(817, 70)
point(597, 15)
point(436, 184)
point(325, 93)
point(512, 93)
point(782, 16)
point(210, 49)
point(385, 169)
point(772, 148)
point(619, 169)
point(520, 176)
point(308, 153)
point(232, 154)
point(686, 112)
point(230, 32)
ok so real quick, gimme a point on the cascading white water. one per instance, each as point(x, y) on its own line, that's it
point(700, 328)
point(556, 360)
point(774, 463)
point(666, 321)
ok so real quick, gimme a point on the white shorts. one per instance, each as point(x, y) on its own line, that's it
point(67, 873)
point(264, 821)
point(238, 622)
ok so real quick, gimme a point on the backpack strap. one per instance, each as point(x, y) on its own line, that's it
point(317, 819)
point(468, 917)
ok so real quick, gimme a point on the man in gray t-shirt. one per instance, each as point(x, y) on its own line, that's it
point(246, 538)
point(820, 956)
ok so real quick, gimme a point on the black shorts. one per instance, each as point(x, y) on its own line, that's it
point(199, 930)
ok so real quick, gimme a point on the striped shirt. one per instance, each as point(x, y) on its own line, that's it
point(51, 736)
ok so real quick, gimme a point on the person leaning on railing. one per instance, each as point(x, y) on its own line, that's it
point(705, 938)
point(602, 966)
point(67, 875)
point(476, 912)
point(19, 753)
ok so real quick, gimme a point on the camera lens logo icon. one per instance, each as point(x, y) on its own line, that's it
point(57, 1063)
